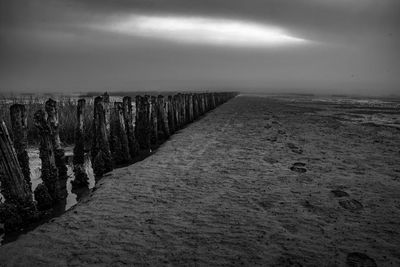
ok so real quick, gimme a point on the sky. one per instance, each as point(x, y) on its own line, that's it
point(311, 46)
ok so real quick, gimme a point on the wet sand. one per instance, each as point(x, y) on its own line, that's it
point(254, 182)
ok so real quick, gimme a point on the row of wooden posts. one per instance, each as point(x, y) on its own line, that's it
point(120, 132)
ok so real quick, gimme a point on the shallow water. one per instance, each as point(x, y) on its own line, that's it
point(74, 194)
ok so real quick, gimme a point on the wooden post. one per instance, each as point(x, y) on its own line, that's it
point(18, 209)
point(101, 155)
point(191, 116)
point(171, 116)
point(19, 124)
point(13, 184)
point(203, 106)
point(119, 144)
point(199, 104)
point(178, 124)
point(107, 112)
point(153, 121)
point(183, 108)
point(128, 113)
point(49, 169)
point(59, 154)
point(142, 129)
point(206, 97)
point(165, 108)
point(196, 106)
point(163, 118)
point(81, 178)
point(213, 106)
point(159, 116)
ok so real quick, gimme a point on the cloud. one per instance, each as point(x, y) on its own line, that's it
point(201, 30)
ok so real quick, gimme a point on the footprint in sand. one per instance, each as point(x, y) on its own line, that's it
point(351, 204)
point(265, 204)
point(294, 148)
point(357, 259)
point(298, 167)
point(270, 160)
point(339, 193)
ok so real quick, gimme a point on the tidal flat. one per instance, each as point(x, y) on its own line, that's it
point(259, 181)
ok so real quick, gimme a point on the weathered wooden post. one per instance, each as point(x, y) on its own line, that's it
point(43, 198)
point(195, 107)
point(199, 104)
point(100, 153)
point(203, 104)
point(129, 114)
point(49, 176)
point(191, 116)
point(19, 125)
point(213, 106)
point(177, 112)
point(107, 112)
point(159, 115)
point(13, 184)
point(119, 144)
point(142, 129)
point(163, 117)
point(153, 119)
point(206, 97)
point(183, 108)
point(171, 115)
point(167, 131)
point(18, 208)
point(59, 153)
point(181, 111)
point(81, 178)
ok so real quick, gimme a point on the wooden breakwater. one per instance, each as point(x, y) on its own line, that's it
point(122, 131)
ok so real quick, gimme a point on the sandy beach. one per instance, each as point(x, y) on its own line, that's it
point(255, 182)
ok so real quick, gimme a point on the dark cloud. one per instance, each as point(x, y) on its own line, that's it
point(48, 44)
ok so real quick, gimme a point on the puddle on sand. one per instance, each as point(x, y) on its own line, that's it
point(73, 196)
